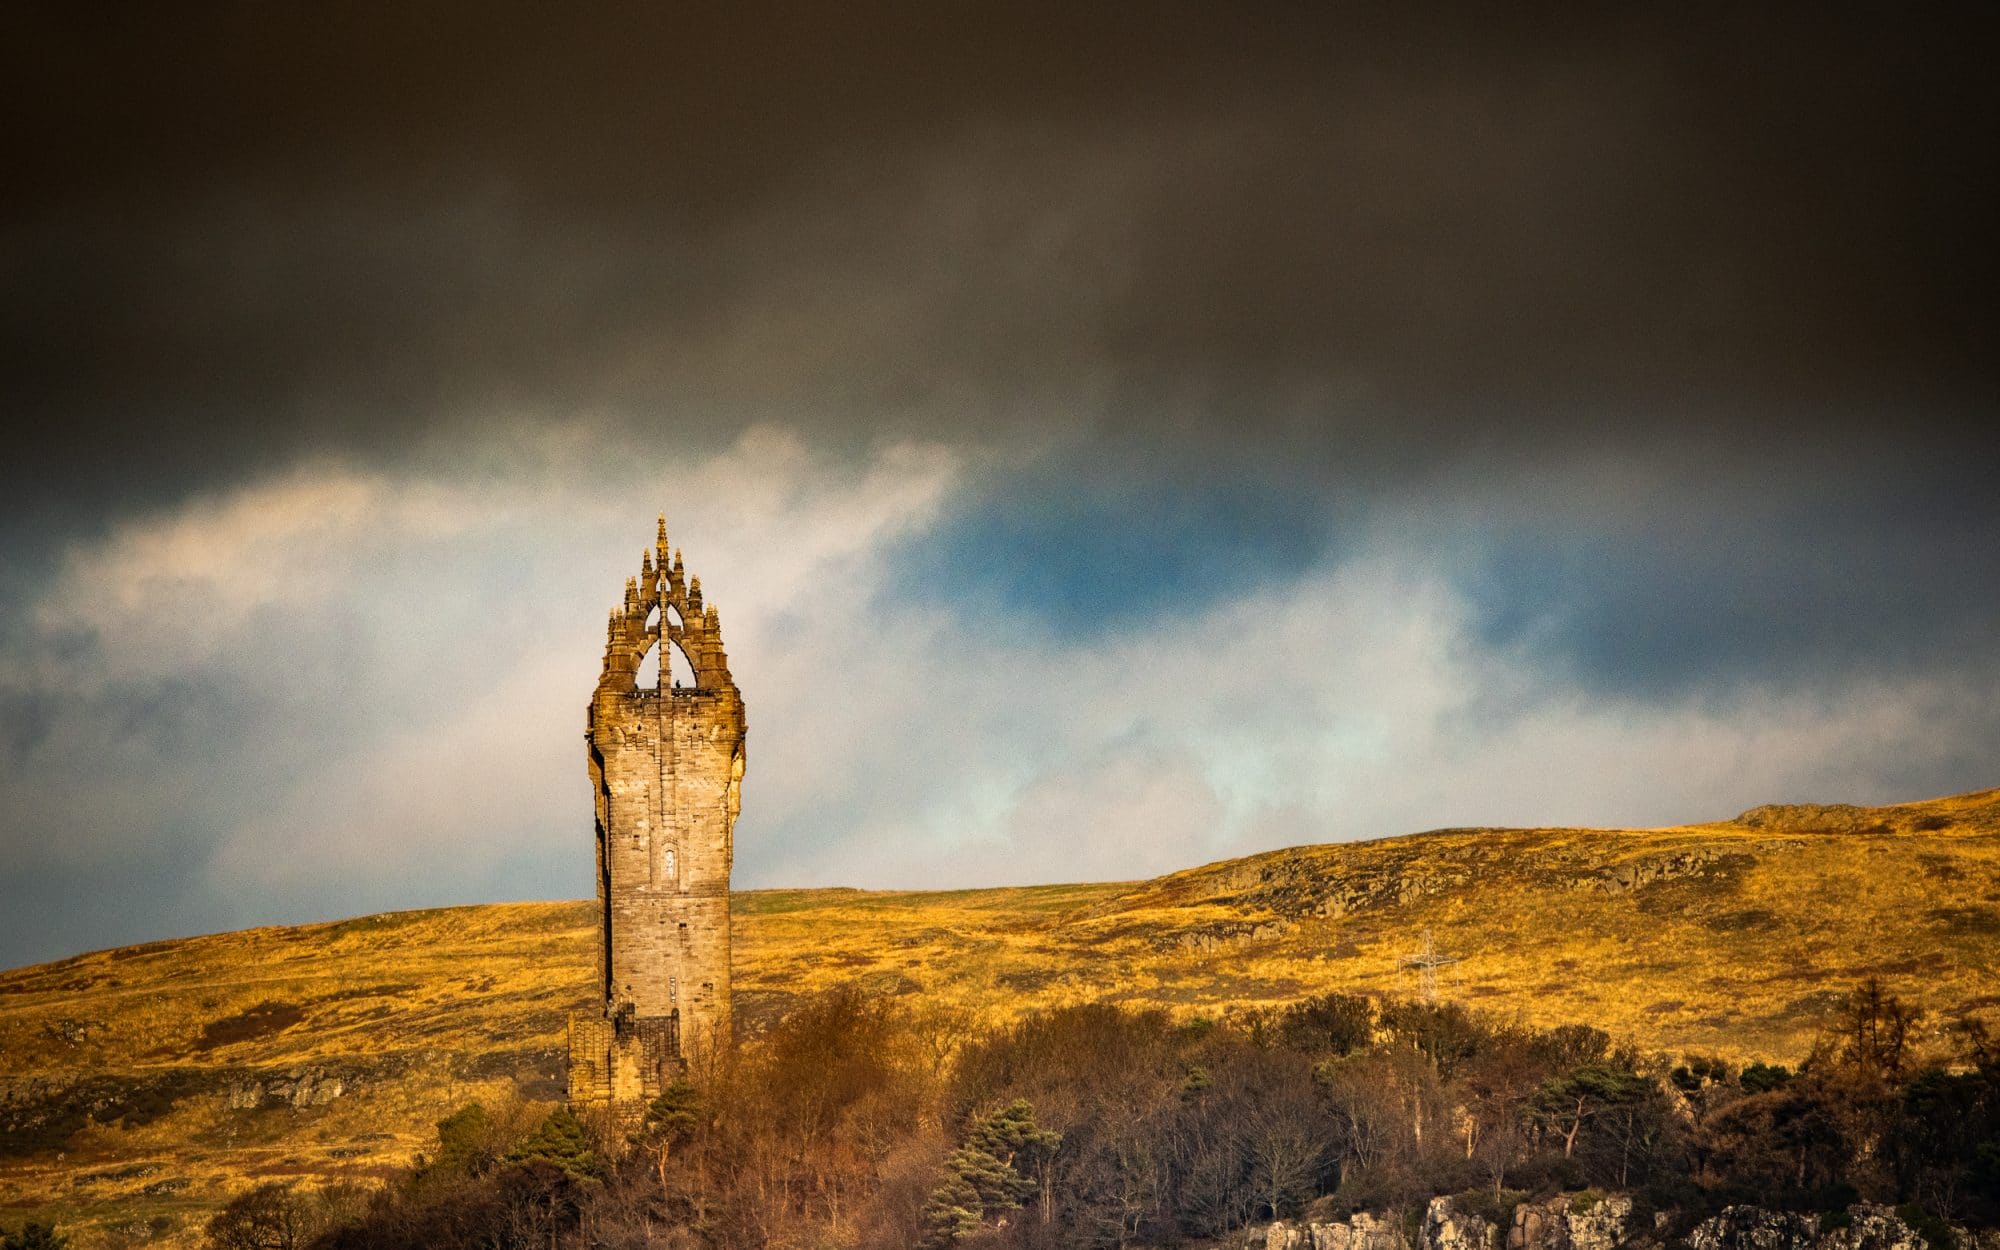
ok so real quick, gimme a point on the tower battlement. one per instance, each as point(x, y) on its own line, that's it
point(666, 766)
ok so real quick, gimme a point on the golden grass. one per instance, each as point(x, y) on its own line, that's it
point(1740, 947)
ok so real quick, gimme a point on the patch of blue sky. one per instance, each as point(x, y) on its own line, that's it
point(1094, 562)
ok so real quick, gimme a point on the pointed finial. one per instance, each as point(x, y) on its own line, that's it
point(663, 527)
point(646, 564)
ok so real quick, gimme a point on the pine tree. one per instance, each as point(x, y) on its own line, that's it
point(562, 1140)
point(953, 1213)
point(671, 1121)
point(990, 1174)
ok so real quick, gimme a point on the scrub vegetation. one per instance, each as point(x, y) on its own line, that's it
point(1099, 1127)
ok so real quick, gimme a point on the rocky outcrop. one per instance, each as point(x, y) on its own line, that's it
point(1815, 818)
point(1978, 812)
point(1599, 1225)
point(1871, 1227)
point(1540, 1226)
point(1216, 938)
point(310, 1087)
point(1572, 1222)
point(1636, 874)
point(1863, 1226)
point(74, 1032)
point(1362, 1232)
point(1448, 1226)
point(1589, 1222)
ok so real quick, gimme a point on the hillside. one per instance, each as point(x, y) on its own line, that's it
point(141, 1087)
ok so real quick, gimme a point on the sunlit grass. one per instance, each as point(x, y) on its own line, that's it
point(1743, 955)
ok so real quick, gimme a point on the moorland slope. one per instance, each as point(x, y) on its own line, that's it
point(141, 1087)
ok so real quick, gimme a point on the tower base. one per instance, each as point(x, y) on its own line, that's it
point(619, 1063)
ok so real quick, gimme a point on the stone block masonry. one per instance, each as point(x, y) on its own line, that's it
point(666, 765)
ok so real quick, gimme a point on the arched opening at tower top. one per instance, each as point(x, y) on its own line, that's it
point(680, 673)
point(674, 615)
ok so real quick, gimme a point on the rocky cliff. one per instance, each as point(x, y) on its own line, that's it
point(1609, 1222)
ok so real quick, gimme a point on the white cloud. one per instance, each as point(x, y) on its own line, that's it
point(1356, 701)
point(391, 673)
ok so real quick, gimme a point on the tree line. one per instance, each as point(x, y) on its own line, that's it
point(860, 1121)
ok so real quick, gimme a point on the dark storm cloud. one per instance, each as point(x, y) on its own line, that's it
point(1363, 239)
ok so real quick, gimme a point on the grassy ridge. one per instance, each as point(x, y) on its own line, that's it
point(140, 1087)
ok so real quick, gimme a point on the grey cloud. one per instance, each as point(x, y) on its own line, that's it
point(1364, 240)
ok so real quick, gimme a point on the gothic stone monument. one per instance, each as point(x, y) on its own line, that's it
point(666, 762)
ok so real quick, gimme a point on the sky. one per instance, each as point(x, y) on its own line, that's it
point(1116, 438)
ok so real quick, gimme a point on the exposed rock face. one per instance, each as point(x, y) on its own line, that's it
point(1639, 873)
point(1227, 937)
point(1872, 1227)
point(1363, 1232)
point(666, 765)
point(1571, 1222)
point(1577, 1222)
point(1754, 1228)
point(1866, 1226)
point(1285, 1235)
point(1599, 1225)
point(1446, 1227)
point(1540, 1226)
point(311, 1087)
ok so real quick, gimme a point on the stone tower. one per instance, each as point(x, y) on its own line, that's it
point(666, 763)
